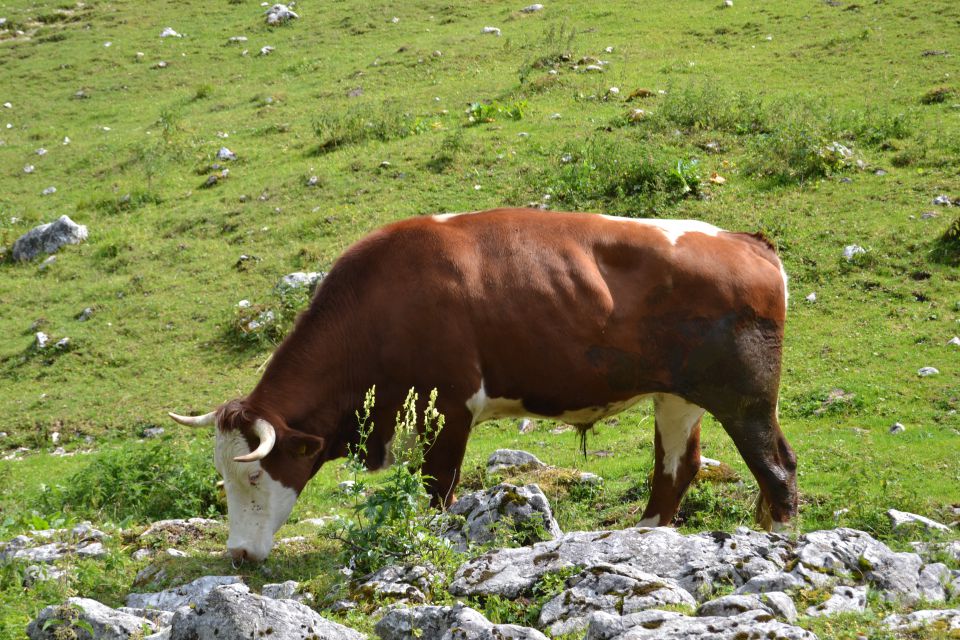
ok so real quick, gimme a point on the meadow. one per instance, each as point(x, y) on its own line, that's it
point(821, 124)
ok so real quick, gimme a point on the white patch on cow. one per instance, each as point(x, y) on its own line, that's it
point(443, 217)
point(672, 229)
point(257, 504)
point(786, 292)
point(675, 420)
point(482, 407)
point(652, 521)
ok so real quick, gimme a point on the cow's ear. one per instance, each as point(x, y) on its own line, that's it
point(304, 444)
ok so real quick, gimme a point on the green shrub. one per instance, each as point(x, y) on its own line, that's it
point(141, 482)
point(394, 523)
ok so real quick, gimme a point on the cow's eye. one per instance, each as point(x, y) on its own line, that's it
point(255, 476)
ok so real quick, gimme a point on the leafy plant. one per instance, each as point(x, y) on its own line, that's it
point(393, 522)
point(490, 111)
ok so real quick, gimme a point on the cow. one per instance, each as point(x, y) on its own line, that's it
point(519, 312)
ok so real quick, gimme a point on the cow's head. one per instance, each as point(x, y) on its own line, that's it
point(264, 468)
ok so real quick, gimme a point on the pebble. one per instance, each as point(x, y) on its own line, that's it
point(879, 172)
point(926, 215)
point(161, 65)
point(555, 116)
point(385, 164)
point(237, 39)
point(527, 425)
point(62, 343)
point(66, 140)
point(42, 339)
point(955, 341)
point(494, 30)
point(267, 50)
point(48, 191)
point(85, 314)
point(533, 8)
point(169, 33)
point(395, 20)
point(593, 68)
point(313, 181)
point(28, 169)
point(226, 154)
point(928, 371)
point(852, 250)
point(8, 105)
point(41, 151)
point(942, 201)
point(896, 427)
point(812, 297)
point(727, 3)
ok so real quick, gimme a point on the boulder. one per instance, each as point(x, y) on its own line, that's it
point(182, 596)
point(904, 520)
point(448, 623)
point(667, 625)
point(524, 510)
point(48, 238)
point(512, 461)
point(612, 588)
point(696, 562)
point(948, 620)
point(231, 611)
point(106, 623)
point(843, 600)
point(775, 603)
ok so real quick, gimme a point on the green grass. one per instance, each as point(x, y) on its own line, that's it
point(347, 89)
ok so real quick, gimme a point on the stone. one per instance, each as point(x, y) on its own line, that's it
point(668, 625)
point(142, 554)
point(954, 341)
point(840, 552)
point(696, 561)
point(843, 600)
point(593, 68)
point(513, 460)
point(491, 30)
point(48, 238)
point(942, 201)
point(28, 168)
point(289, 590)
point(533, 8)
point(486, 512)
point(41, 339)
point(225, 154)
point(612, 588)
point(107, 623)
point(153, 432)
point(946, 620)
point(448, 623)
point(169, 32)
point(41, 573)
point(180, 530)
point(299, 279)
point(313, 181)
point(934, 579)
point(852, 250)
point(409, 583)
point(237, 39)
point(924, 372)
point(158, 617)
point(279, 14)
point(231, 611)
point(727, 3)
point(267, 50)
point(812, 297)
point(527, 426)
point(776, 603)
point(901, 520)
point(186, 595)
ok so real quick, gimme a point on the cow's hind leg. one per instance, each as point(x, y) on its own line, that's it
point(764, 448)
point(677, 445)
point(445, 455)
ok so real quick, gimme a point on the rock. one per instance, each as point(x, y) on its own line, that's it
point(928, 215)
point(179, 530)
point(185, 595)
point(923, 372)
point(289, 590)
point(231, 611)
point(901, 520)
point(612, 588)
point(153, 432)
point(667, 625)
point(237, 39)
point(48, 238)
point(446, 623)
point(852, 250)
point(845, 551)
point(106, 623)
point(945, 620)
point(896, 428)
point(812, 297)
point(593, 68)
point(156, 616)
point(933, 578)
point(267, 50)
point(727, 4)
point(299, 279)
point(41, 573)
point(590, 479)
point(954, 341)
point(168, 32)
point(494, 30)
point(142, 554)
point(226, 154)
point(407, 583)
point(527, 426)
point(942, 201)
point(523, 509)
point(279, 14)
point(313, 181)
point(28, 168)
point(695, 561)
point(775, 603)
point(513, 460)
point(533, 8)
point(42, 339)
point(843, 600)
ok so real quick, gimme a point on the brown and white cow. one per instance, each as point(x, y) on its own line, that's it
point(517, 312)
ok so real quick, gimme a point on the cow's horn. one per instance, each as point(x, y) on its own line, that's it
point(196, 421)
point(268, 437)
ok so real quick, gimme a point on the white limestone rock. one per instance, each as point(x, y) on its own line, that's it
point(446, 623)
point(279, 14)
point(776, 603)
point(947, 619)
point(668, 625)
point(183, 596)
point(107, 623)
point(298, 279)
point(486, 511)
point(512, 460)
point(843, 600)
point(904, 520)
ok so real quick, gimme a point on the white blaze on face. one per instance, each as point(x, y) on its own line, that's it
point(257, 505)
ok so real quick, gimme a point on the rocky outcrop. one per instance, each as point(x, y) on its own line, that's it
point(446, 623)
point(82, 615)
point(667, 625)
point(523, 513)
point(186, 595)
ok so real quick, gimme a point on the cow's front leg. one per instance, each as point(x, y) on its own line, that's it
point(677, 446)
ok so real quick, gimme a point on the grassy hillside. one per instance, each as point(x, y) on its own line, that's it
point(821, 124)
